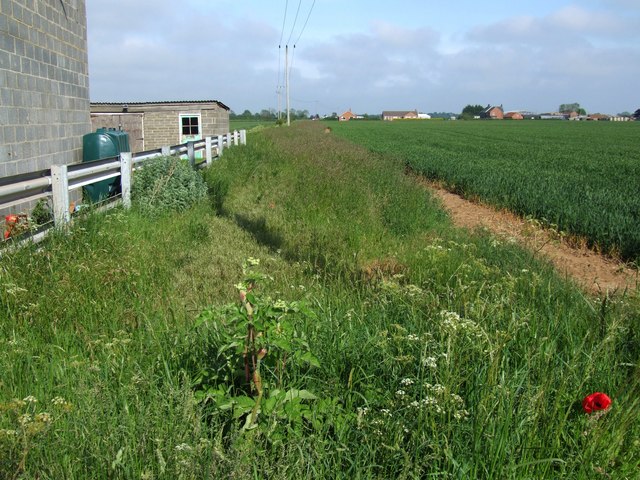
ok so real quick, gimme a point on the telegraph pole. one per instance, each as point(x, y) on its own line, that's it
point(286, 77)
point(278, 92)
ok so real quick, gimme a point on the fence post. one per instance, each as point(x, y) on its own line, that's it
point(236, 138)
point(243, 137)
point(191, 154)
point(207, 145)
point(125, 178)
point(220, 144)
point(60, 190)
point(166, 151)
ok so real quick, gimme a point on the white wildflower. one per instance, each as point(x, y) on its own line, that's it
point(254, 262)
point(43, 417)
point(30, 399)
point(405, 382)
point(412, 337)
point(430, 362)
point(401, 393)
point(461, 414)
point(24, 419)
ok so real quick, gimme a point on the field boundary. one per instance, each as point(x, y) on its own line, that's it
point(593, 271)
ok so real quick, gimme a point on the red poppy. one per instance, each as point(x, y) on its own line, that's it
point(596, 401)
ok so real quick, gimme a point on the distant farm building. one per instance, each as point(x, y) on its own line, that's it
point(346, 116)
point(598, 117)
point(491, 112)
point(399, 114)
point(156, 124)
point(513, 116)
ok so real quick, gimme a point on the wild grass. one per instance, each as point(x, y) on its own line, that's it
point(441, 352)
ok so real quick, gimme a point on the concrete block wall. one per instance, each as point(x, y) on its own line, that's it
point(161, 128)
point(44, 84)
point(215, 122)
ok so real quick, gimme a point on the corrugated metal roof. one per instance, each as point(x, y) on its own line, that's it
point(165, 102)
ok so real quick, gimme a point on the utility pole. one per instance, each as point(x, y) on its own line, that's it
point(286, 77)
point(278, 92)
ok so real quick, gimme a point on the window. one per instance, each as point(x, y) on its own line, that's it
point(190, 125)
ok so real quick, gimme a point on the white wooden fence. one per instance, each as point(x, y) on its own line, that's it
point(58, 181)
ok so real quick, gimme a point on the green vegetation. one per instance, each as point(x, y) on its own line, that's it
point(167, 184)
point(386, 343)
point(582, 178)
point(250, 124)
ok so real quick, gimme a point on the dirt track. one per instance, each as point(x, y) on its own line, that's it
point(594, 272)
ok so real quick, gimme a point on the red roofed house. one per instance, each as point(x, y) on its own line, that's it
point(346, 116)
point(495, 113)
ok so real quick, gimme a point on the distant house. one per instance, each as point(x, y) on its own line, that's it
point(513, 116)
point(598, 117)
point(346, 116)
point(495, 113)
point(156, 124)
point(399, 114)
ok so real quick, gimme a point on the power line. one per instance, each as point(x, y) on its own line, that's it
point(305, 23)
point(294, 22)
point(286, 7)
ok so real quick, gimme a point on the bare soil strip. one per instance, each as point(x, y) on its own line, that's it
point(594, 272)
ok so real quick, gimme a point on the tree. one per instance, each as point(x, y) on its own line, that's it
point(636, 114)
point(471, 111)
point(572, 107)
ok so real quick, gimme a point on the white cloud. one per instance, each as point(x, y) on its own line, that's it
point(586, 52)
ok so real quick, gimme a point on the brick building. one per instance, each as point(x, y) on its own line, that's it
point(44, 84)
point(153, 125)
point(399, 114)
point(492, 112)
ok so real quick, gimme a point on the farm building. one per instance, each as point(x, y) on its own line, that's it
point(513, 116)
point(346, 116)
point(492, 112)
point(156, 124)
point(44, 85)
point(399, 114)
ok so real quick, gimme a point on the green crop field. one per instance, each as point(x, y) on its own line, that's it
point(582, 178)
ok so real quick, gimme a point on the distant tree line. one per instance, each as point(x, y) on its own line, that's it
point(268, 115)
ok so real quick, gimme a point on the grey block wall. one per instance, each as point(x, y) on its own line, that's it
point(44, 84)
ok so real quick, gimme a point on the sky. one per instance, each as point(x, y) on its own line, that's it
point(368, 55)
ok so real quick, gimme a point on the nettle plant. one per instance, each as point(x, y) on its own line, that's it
point(257, 352)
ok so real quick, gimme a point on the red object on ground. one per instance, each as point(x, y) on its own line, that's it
point(10, 222)
point(596, 401)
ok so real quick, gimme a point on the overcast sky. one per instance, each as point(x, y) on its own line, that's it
point(369, 55)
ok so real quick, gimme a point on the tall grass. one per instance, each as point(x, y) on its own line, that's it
point(441, 353)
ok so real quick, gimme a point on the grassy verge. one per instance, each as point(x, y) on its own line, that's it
point(438, 352)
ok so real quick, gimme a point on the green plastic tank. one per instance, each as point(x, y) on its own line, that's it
point(104, 143)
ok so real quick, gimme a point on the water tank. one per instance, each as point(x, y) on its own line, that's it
point(104, 143)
